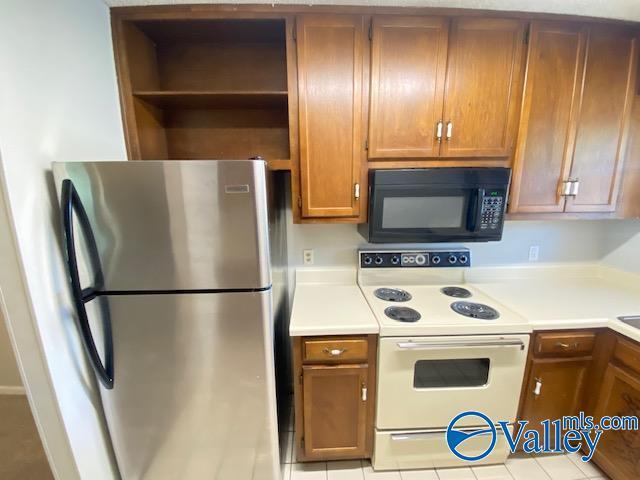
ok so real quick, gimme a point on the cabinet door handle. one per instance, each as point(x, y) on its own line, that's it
point(575, 187)
point(364, 392)
point(449, 129)
point(334, 352)
point(538, 388)
point(356, 190)
point(439, 126)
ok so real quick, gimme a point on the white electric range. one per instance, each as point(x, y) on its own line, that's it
point(445, 348)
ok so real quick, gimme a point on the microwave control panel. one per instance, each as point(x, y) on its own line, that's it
point(415, 259)
point(492, 211)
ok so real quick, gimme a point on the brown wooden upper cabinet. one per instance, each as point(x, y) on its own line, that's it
point(331, 71)
point(574, 121)
point(441, 87)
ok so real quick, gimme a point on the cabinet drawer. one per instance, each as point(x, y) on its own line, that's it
point(335, 350)
point(627, 354)
point(561, 344)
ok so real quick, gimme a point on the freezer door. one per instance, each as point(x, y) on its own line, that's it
point(166, 226)
point(194, 387)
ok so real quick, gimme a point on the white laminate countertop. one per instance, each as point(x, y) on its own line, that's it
point(564, 296)
point(329, 302)
point(549, 297)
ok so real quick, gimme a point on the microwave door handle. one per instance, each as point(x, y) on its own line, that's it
point(475, 210)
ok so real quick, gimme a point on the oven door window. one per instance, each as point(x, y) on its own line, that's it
point(452, 373)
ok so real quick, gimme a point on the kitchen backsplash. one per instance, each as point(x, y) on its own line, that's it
point(622, 246)
point(558, 241)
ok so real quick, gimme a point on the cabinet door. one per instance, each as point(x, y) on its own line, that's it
point(482, 90)
point(547, 124)
point(408, 62)
point(559, 393)
point(330, 83)
point(618, 452)
point(604, 117)
point(335, 411)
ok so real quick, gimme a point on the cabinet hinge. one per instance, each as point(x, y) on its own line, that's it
point(366, 144)
point(300, 379)
point(302, 443)
point(299, 202)
point(525, 40)
point(371, 30)
point(294, 33)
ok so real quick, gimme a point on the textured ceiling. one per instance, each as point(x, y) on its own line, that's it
point(619, 9)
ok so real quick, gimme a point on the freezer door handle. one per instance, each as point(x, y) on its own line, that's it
point(71, 204)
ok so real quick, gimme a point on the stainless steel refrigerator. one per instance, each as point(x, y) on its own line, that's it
point(178, 276)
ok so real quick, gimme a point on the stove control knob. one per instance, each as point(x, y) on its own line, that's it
point(463, 259)
point(395, 259)
point(420, 259)
point(379, 260)
point(367, 260)
point(436, 259)
point(452, 259)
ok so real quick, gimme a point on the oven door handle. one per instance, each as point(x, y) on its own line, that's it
point(420, 435)
point(438, 346)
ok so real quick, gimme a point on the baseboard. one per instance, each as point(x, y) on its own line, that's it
point(11, 390)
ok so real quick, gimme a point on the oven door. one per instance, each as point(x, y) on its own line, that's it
point(424, 382)
point(412, 213)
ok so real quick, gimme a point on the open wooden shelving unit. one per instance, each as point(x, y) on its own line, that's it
point(212, 88)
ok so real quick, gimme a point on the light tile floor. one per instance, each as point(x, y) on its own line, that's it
point(556, 467)
point(518, 467)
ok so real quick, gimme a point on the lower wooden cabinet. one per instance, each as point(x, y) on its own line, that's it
point(554, 388)
point(618, 452)
point(595, 371)
point(334, 397)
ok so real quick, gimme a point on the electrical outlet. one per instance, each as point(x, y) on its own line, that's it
point(534, 251)
point(307, 257)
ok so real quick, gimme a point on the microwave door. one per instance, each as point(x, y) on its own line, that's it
point(423, 214)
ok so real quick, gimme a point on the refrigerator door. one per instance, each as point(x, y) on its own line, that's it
point(175, 226)
point(194, 387)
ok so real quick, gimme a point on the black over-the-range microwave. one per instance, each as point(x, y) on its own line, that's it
point(428, 205)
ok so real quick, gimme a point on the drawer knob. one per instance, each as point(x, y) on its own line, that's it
point(334, 352)
point(567, 345)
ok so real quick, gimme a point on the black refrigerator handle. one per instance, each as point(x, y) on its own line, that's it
point(70, 203)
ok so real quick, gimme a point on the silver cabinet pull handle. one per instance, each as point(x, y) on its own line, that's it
point(538, 388)
point(435, 346)
point(449, 129)
point(364, 392)
point(356, 190)
point(335, 352)
point(570, 187)
point(575, 187)
point(439, 126)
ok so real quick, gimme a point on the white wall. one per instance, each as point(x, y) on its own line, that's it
point(58, 102)
point(559, 241)
point(9, 375)
point(622, 246)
